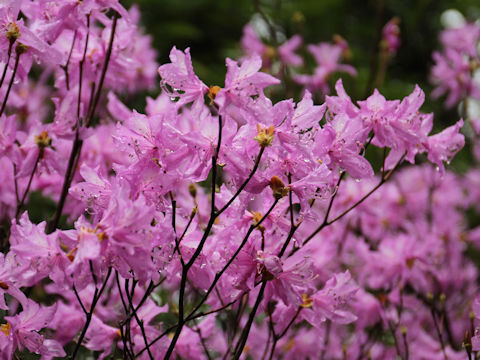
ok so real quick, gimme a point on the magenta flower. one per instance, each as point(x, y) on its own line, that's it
point(331, 302)
point(391, 36)
point(241, 83)
point(286, 51)
point(452, 72)
point(444, 145)
point(327, 57)
point(179, 75)
point(21, 331)
point(252, 44)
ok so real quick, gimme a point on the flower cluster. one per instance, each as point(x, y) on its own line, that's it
point(284, 58)
point(455, 72)
point(219, 222)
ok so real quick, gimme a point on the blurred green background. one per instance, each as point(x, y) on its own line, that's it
point(213, 29)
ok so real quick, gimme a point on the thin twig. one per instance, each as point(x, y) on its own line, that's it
point(140, 324)
point(78, 143)
point(10, 84)
point(362, 199)
point(96, 296)
point(104, 70)
point(247, 180)
point(439, 332)
point(24, 197)
point(65, 67)
point(9, 56)
point(192, 314)
point(246, 330)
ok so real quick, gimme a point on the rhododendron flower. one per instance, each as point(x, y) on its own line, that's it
point(22, 331)
point(260, 219)
point(241, 83)
point(179, 75)
point(330, 302)
point(252, 44)
point(391, 36)
point(452, 72)
point(327, 57)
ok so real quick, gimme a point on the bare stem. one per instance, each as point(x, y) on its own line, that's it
point(104, 70)
point(140, 324)
point(96, 297)
point(9, 56)
point(327, 222)
point(65, 67)
point(246, 330)
point(247, 180)
point(10, 84)
point(24, 197)
point(77, 142)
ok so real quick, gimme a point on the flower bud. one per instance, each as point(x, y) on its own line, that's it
point(298, 17)
point(21, 49)
point(278, 187)
point(43, 140)
point(13, 32)
point(212, 92)
point(467, 343)
point(192, 189)
point(264, 135)
point(270, 52)
point(307, 301)
point(5, 328)
point(256, 217)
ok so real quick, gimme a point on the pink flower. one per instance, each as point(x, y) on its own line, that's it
point(21, 331)
point(327, 57)
point(452, 73)
point(252, 44)
point(338, 146)
point(241, 83)
point(179, 75)
point(391, 36)
point(330, 302)
point(286, 281)
point(444, 145)
point(40, 251)
point(286, 51)
point(11, 279)
point(28, 44)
